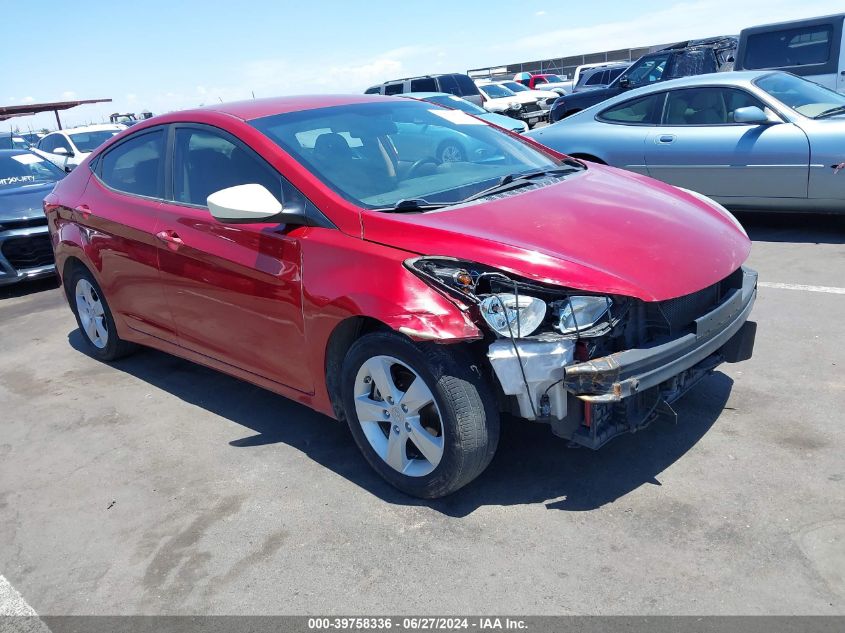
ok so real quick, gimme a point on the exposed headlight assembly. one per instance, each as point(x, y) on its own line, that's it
point(511, 315)
point(579, 313)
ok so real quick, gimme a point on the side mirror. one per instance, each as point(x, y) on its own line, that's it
point(249, 204)
point(752, 115)
point(62, 151)
point(624, 82)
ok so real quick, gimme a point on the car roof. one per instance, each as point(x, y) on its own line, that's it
point(14, 152)
point(733, 78)
point(427, 95)
point(258, 108)
point(92, 128)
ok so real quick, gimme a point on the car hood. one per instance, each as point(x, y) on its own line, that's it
point(22, 203)
point(502, 121)
point(601, 230)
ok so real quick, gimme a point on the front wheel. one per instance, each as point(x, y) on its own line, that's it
point(421, 417)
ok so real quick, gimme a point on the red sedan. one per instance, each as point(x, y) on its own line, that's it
point(317, 247)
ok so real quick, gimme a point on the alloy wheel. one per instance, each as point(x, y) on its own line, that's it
point(399, 416)
point(91, 313)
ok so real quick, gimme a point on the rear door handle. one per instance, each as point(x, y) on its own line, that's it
point(171, 238)
point(666, 138)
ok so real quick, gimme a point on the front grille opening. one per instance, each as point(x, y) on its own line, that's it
point(28, 252)
point(676, 316)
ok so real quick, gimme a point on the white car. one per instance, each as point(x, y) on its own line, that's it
point(545, 98)
point(526, 107)
point(498, 100)
point(67, 148)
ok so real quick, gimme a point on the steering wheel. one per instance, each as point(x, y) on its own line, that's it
point(417, 164)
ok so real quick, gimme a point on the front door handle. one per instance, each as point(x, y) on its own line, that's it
point(665, 138)
point(171, 238)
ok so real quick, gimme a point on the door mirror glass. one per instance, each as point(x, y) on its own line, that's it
point(751, 115)
point(624, 82)
point(243, 204)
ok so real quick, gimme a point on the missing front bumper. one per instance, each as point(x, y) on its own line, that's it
point(627, 389)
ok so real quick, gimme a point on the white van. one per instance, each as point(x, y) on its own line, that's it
point(813, 48)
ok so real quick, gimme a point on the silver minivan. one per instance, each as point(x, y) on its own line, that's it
point(813, 48)
point(451, 83)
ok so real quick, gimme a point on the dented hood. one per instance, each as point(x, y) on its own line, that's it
point(601, 230)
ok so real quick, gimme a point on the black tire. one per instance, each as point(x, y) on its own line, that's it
point(115, 347)
point(451, 152)
point(470, 421)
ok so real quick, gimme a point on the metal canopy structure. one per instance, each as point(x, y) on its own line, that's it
point(27, 109)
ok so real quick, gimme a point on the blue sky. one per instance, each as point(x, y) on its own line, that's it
point(167, 55)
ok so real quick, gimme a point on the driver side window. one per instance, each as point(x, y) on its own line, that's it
point(648, 71)
point(205, 162)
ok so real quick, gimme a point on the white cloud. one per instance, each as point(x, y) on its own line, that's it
point(68, 95)
point(540, 13)
point(28, 100)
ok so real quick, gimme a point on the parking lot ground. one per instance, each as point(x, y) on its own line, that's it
point(156, 486)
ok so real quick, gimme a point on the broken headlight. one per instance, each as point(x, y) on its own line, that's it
point(580, 312)
point(511, 315)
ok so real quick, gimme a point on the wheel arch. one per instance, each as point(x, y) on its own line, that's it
point(340, 340)
point(590, 157)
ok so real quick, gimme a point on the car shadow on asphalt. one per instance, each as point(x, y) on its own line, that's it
point(531, 465)
point(24, 288)
point(803, 228)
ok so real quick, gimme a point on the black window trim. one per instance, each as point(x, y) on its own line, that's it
point(95, 164)
point(312, 212)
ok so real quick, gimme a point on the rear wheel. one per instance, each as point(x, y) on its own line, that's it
point(419, 414)
point(94, 317)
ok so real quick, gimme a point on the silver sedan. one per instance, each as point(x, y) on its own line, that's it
point(750, 140)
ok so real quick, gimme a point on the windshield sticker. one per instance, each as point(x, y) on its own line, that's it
point(15, 180)
point(27, 159)
point(456, 116)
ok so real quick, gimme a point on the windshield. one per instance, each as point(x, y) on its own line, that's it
point(379, 154)
point(89, 141)
point(515, 87)
point(17, 170)
point(457, 103)
point(495, 91)
point(552, 79)
point(805, 97)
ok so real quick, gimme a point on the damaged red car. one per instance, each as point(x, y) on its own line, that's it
point(323, 248)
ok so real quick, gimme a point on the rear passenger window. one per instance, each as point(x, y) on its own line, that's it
point(424, 84)
point(450, 85)
point(136, 165)
point(790, 47)
point(393, 89)
point(636, 111)
point(466, 86)
point(595, 80)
